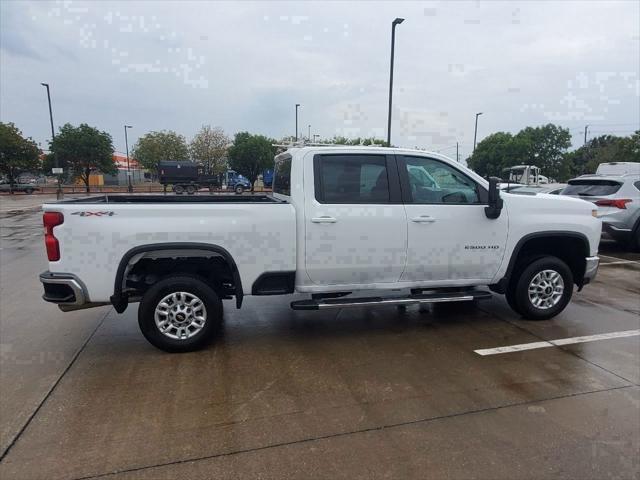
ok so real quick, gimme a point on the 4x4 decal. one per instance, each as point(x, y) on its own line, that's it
point(94, 214)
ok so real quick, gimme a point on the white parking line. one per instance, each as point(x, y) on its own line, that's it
point(556, 343)
point(618, 258)
point(621, 262)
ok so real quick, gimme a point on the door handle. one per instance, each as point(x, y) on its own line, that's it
point(423, 219)
point(323, 219)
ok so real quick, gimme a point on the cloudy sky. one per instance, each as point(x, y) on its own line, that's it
point(243, 66)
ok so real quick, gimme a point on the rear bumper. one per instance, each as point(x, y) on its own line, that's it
point(617, 233)
point(63, 289)
point(590, 270)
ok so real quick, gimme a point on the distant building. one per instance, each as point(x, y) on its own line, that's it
point(120, 178)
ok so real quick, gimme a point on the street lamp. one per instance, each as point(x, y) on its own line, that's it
point(396, 22)
point(56, 170)
point(309, 135)
point(296, 136)
point(126, 143)
point(475, 135)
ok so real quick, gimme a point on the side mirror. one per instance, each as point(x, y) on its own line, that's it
point(493, 209)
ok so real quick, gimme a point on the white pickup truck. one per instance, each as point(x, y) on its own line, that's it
point(411, 226)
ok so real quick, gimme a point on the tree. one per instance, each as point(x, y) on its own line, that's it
point(209, 148)
point(250, 155)
point(630, 148)
point(84, 149)
point(155, 147)
point(17, 153)
point(603, 149)
point(493, 153)
point(546, 147)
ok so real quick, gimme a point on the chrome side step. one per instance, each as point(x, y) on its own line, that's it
point(321, 304)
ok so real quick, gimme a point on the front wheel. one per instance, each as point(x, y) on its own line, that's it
point(239, 189)
point(178, 189)
point(191, 189)
point(180, 314)
point(544, 288)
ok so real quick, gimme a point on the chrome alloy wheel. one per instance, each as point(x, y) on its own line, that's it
point(546, 289)
point(180, 315)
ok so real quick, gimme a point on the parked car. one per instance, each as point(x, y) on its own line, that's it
point(341, 221)
point(550, 188)
point(617, 197)
point(27, 188)
point(618, 168)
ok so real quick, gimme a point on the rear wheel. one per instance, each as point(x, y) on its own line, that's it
point(179, 189)
point(28, 191)
point(180, 314)
point(239, 189)
point(191, 189)
point(543, 289)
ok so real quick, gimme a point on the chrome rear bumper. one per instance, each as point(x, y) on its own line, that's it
point(63, 289)
point(591, 268)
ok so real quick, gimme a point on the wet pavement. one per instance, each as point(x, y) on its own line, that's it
point(358, 393)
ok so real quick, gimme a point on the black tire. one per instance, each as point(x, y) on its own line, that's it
point(510, 295)
point(522, 282)
point(191, 189)
point(178, 189)
point(634, 243)
point(28, 191)
point(239, 189)
point(193, 286)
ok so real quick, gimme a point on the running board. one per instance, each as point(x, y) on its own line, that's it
point(321, 304)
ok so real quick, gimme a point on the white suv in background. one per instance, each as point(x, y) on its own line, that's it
point(615, 190)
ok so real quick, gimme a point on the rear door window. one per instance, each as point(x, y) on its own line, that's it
point(591, 187)
point(347, 179)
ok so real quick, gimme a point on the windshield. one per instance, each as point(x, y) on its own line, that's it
point(591, 187)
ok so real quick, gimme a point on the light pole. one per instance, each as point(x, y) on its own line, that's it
point(475, 134)
point(59, 193)
point(126, 143)
point(309, 135)
point(396, 22)
point(297, 105)
point(586, 129)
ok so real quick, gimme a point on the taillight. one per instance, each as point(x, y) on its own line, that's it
point(50, 220)
point(618, 203)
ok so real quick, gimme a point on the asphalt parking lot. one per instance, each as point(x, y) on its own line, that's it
point(358, 393)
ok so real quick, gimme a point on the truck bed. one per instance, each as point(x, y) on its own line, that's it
point(257, 231)
point(155, 198)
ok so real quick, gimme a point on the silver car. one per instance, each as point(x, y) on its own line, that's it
point(618, 200)
point(549, 188)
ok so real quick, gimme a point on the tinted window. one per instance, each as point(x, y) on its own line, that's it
point(353, 179)
point(432, 181)
point(282, 175)
point(591, 187)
